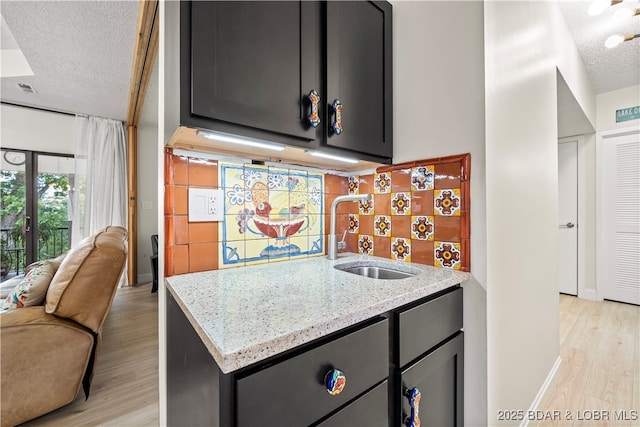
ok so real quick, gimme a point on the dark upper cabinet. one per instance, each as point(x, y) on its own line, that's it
point(251, 63)
point(358, 38)
point(248, 67)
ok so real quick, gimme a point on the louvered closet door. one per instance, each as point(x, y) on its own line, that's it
point(619, 253)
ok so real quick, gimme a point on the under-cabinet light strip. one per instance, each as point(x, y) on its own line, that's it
point(233, 139)
point(333, 157)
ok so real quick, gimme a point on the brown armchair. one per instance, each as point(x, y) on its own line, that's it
point(48, 352)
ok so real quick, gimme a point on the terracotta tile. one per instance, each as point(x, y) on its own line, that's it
point(422, 251)
point(168, 261)
point(344, 185)
point(203, 256)
point(203, 232)
point(168, 166)
point(366, 224)
point(447, 228)
point(382, 247)
point(466, 255)
point(332, 184)
point(203, 173)
point(181, 227)
point(382, 204)
point(400, 180)
point(447, 175)
point(401, 226)
point(169, 197)
point(422, 203)
point(466, 168)
point(180, 170)
point(181, 200)
point(181, 259)
point(352, 243)
point(465, 231)
point(366, 184)
point(169, 231)
point(465, 195)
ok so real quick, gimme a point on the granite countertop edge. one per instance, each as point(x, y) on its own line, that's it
point(240, 356)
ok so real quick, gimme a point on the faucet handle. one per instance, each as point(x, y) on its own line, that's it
point(342, 244)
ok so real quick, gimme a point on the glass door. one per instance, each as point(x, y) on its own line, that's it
point(35, 209)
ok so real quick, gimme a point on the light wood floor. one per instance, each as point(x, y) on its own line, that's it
point(124, 391)
point(600, 369)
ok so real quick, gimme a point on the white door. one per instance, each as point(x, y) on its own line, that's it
point(619, 205)
point(568, 217)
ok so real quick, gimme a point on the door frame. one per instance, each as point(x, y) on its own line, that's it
point(601, 138)
point(582, 234)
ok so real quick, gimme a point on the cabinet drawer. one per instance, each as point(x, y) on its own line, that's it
point(292, 392)
point(428, 324)
point(370, 410)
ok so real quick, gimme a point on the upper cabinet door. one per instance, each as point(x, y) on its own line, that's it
point(359, 75)
point(252, 64)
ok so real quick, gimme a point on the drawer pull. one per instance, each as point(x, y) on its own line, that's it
point(336, 126)
point(335, 381)
point(313, 118)
point(413, 395)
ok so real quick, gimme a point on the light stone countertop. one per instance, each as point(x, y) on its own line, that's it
point(245, 315)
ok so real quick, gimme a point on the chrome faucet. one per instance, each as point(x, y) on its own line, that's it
point(334, 245)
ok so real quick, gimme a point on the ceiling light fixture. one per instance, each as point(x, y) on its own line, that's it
point(617, 39)
point(240, 140)
point(333, 157)
point(599, 6)
point(625, 13)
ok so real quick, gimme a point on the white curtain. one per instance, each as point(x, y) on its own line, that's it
point(100, 193)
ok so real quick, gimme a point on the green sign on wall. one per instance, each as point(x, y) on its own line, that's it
point(630, 113)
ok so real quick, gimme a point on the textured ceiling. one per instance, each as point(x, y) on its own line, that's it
point(609, 69)
point(81, 53)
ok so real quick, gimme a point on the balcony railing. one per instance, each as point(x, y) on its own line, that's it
point(51, 243)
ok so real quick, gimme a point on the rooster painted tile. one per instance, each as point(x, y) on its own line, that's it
point(275, 212)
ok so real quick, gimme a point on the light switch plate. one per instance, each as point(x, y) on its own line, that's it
point(205, 205)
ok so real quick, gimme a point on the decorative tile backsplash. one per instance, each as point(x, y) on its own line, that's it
point(270, 214)
point(419, 213)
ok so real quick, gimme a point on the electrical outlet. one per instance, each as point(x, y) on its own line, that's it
point(205, 205)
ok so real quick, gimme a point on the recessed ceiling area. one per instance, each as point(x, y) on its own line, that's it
point(609, 69)
point(81, 54)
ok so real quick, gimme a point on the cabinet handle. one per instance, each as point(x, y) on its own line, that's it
point(336, 126)
point(413, 395)
point(313, 118)
point(335, 381)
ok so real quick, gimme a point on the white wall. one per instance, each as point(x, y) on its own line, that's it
point(438, 109)
point(524, 43)
point(148, 176)
point(35, 130)
point(609, 102)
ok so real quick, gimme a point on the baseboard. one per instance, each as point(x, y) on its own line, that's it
point(145, 278)
point(590, 294)
point(542, 396)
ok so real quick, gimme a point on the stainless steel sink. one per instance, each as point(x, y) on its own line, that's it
point(375, 272)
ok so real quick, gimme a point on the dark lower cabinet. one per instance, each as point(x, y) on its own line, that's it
point(289, 389)
point(439, 377)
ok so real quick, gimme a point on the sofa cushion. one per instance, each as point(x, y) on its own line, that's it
point(32, 288)
point(8, 285)
point(84, 285)
point(58, 260)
